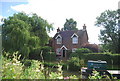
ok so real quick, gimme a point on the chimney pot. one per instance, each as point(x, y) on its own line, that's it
point(58, 30)
point(84, 27)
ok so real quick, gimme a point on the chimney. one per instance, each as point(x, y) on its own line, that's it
point(58, 30)
point(84, 27)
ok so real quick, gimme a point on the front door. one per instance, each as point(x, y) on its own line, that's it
point(64, 53)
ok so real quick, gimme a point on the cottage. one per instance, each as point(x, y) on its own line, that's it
point(69, 40)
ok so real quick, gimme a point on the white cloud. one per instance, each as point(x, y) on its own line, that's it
point(83, 11)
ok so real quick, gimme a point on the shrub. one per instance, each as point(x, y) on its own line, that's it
point(74, 64)
point(47, 54)
point(115, 58)
point(34, 71)
point(26, 62)
point(83, 50)
point(49, 64)
point(12, 69)
point(44, 53)
point(80, 52)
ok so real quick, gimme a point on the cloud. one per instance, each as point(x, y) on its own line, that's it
point(82, 11)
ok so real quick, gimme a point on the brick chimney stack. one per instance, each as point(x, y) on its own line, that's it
point(84, 27)
point(58, 30)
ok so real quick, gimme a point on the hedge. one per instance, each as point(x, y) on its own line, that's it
point(99, 56)
point(105, 57)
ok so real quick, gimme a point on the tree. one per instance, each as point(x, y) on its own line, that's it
point(70, 24)
point(24, 33)
point(109, 32)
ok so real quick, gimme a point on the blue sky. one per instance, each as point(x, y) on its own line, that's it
point(6, 9)
point(57, 11)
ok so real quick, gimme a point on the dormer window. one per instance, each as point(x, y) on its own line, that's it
point(74, 38)
point(59, 39)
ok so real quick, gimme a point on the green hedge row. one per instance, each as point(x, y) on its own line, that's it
point(110, 58)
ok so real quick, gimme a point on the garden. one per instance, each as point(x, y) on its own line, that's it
point(26, 53)
point(46, 68)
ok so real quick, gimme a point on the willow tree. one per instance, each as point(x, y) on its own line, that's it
point(24, 33)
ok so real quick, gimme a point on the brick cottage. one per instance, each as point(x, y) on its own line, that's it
point(70, 40)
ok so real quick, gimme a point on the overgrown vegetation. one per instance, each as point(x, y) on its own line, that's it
point(86, 54)
point(25, 34)
point(15, 69)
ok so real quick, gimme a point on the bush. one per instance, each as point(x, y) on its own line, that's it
point(49, 64)
point(83, 50)
point(34, 71)
point(80, 52)
point(26, 63)
point(47, 54)
point(103, 56)
point(44, 53)
point(116, 59)
point(12, 69)
point(74, 64)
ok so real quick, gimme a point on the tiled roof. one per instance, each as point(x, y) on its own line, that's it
point(66, 35)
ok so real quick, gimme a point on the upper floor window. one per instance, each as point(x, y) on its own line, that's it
point(59, 39)
point(74, 38)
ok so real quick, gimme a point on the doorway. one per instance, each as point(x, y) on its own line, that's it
point(64, 53)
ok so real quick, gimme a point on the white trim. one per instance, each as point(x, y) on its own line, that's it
point(63, 47)
point(74, 49)
point(58, 36)
point(75, 35)
point(75, 40)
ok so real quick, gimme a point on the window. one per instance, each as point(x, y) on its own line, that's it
point(58, 50)
point(59, 40)
point(75, 40)
point(74, 49)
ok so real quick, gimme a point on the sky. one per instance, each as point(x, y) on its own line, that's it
point(57, 11)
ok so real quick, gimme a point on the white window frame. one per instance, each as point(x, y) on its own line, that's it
point(58, 51)
point(58, 39)
point(75, 40)
point(74, 49)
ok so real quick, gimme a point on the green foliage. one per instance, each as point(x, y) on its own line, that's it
point(14, 69)
point(96, 75)
point(70, 24)
point(54, 75)
point(47, 54)
point(24, 33)
point(80, 52)
point(26, 62)
point(73, 77)
point(103, 56)
point(34, 71)
point(74, 64)
point(50, 64)
point(83, 50)
point(109, 33)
